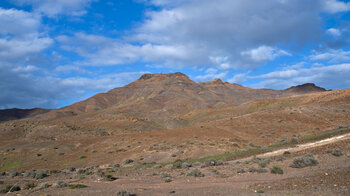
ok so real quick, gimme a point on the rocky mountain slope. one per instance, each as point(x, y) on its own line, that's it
point(164, 117)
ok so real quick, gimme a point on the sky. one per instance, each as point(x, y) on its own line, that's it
point(56, 52)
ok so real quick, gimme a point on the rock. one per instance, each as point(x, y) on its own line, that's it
point(128, 161)
point(185, 165)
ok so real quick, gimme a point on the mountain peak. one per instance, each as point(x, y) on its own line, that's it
point(161, 75)
point(214, 81)
point(217, 81)
point(307, 87)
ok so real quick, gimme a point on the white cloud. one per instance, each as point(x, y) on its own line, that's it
point(334, 32)
point(188, 33)
point(239, 78)
point(15, 49)
point(335, 6)
point(21, 89)
point(52, 8)
point(71, 68)
point(264, 53)
point(21, 36)
point(222, 62)
point(18, 22)
point(27, 68)
point(99, 50)
point(224, 28)
point(330, 77)
point(211, 74)
point(102, 83)
point(332, 56)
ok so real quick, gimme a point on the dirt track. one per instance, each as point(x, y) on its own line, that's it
point(301, 147)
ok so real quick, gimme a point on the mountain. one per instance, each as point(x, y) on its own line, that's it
point(153, 102)
point(161, 97)
point(15, 114)
point(305, 88)
point(158, 101)
point(164, 117)
point(175, 93)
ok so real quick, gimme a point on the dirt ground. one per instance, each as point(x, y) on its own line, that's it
point(331, 176)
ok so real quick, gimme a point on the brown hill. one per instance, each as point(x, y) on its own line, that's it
point(164, 117)
point(153, 102)
point(172, 94)
point(305, 88)
point(15, 114)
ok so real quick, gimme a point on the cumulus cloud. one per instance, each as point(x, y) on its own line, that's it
point(210, 74)
point(330, 77)
point(18, 22)
point(335, 6)
point(333, 56)
point(239, 78)
point(21, 89)
point(21, 37)
point(264, 53)
point(52, 8)
point(225, 29)
point(102, 83)
point(100, 50)
point(333, 31)
point(28, 68)
point(241, 34)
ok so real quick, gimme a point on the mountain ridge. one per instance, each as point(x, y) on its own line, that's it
point(172, 91)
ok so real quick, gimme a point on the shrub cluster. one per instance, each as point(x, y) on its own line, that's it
point(336, 152)
point(304, 161)
point(10, 188)
point(276, 170)
point(195, 173)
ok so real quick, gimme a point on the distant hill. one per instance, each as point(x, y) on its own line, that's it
point(162, 115)
point(161, 96)
point(305, 88)
point(15, 114)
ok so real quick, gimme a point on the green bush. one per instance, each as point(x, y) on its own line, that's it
point(29, 185)
point(13, 174)
point(60, 184)
point(110, 178)
point(54, 171)
point(240, 171)
point(259, 170)
point(10, 188)
point(261, 162)
point(177, 164)
point(124, 193)
point(209, 163)
point(82, 157)
point(30, 173)
point(1, 182)
point(304, 161)
point(276, 170)
point(40, 174)
point(168, 180)
point(128, 161)
point(77, 186)
point(44, 185)
point(84, 172)
point(106, 177)
point(71, 169)
point(195, 173)
point(336, 152)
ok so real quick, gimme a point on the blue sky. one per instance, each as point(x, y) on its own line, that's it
point(56, 52)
